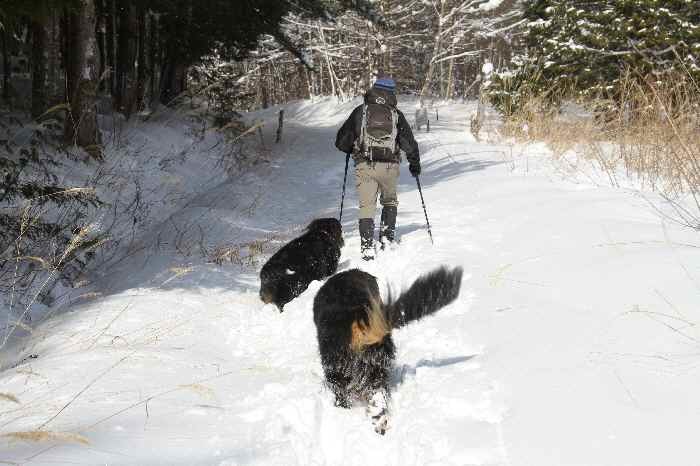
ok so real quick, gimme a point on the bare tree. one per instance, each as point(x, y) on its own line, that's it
point(434, 48)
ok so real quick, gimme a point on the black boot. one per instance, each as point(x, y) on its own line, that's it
point(388, 225)
point(367, 238)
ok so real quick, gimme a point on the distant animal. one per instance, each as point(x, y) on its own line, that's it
point(353, 328)
point(312, 256)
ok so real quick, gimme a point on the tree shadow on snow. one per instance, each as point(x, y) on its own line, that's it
point(271, 207)
point(450, 167)
point(406, 229)
point(401, 372)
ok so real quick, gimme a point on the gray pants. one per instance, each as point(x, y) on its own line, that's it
point(374, 178)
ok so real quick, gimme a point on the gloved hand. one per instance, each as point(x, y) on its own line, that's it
point(414, 168)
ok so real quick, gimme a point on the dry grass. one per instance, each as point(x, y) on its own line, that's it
point(26, 296)
point(177, 273)
point(657, 134)
point(650, 130)
point(47, 436)
point(9, 397)
point(199, 389)
point(243, 254)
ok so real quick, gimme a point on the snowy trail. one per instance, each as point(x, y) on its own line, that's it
point(574, 340)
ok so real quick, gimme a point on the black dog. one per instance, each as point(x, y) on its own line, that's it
point(354, 332)
point(312, 256)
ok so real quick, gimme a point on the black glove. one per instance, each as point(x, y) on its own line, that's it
point(414, 168)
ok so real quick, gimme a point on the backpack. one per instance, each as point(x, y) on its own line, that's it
point(379, 127)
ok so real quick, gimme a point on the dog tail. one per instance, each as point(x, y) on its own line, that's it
point(426, 296)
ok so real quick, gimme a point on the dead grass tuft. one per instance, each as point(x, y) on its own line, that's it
point(47, 436)
point(178, 272)
point(243, 254)
point(199, 389)
point(650, 130)
point(9, 397)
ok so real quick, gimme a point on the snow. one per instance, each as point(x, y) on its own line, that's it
point(574, 340)
point(490, 5)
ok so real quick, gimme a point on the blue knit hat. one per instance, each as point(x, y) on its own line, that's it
point(387, 84)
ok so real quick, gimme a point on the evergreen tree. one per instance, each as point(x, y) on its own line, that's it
point(588, 45)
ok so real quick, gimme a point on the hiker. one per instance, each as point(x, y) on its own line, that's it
point(373, 135)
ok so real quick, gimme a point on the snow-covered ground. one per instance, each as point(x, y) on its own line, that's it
point(574, 340)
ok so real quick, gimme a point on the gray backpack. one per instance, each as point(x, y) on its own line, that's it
point(379, 127)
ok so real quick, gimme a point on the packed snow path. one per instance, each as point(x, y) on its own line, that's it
point(574, 340)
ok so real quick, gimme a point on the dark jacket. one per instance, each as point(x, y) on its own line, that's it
point(352, 128)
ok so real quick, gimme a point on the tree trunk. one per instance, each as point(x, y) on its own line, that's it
point(173, 77)
point(152, 60)
point(101, 19)
point(38, 63)
point(265, 94)
point(309, 84)
point(141, 56)
point(450, 79)
point(55, 87)
point(7, 70)
point(130, 93)
point(110, 15)
point(172, 80)
point(81, 73)
point(124, 58)
point(436, 50)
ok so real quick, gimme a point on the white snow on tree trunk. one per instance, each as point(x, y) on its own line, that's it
point(490, 5)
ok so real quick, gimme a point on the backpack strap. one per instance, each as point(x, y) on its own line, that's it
point(362, 147)
point(394, 126)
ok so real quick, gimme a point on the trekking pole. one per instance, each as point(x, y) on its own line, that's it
point(425, 211)
point(345, 179)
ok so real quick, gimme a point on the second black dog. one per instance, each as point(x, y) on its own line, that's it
point(354, 327)
point(312, 256)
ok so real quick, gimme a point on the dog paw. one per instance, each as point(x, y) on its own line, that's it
point(378, 411)
point(381, 423)
point(377, 404)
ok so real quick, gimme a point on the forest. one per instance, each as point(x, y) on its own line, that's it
point(65, 63)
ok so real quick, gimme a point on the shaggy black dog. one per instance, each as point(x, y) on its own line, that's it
point(354, 327)
point(312, 256)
